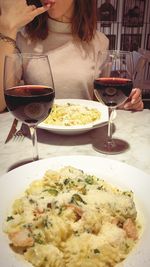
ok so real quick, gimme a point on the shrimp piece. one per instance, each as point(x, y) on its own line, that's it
point(130, 229)
point(115, 221)
point(76, 209)
point(21, 238)
point(39, 211)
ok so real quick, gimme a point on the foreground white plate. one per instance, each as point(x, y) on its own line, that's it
point(70, 130)
point(115, 172)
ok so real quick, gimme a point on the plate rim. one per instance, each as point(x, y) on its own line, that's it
point(111, 160)
point(130, 261)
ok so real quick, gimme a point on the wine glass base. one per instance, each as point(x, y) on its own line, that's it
point(115, 147)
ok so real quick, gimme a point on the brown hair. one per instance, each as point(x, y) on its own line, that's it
point(83, 21)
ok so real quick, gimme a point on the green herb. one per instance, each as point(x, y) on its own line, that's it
point(77, 198)
point(69, 183)
point(9, 218)
point(31, 201)
point(52, 191)
point(89, 179)
point(127, 193)
point(46, 222)
point(96, 251)
point(61, 209)
point(59, 186)
point(28, 225)
point(83, 190)
point(66, 181)
point(101, 188)
point(38, 239)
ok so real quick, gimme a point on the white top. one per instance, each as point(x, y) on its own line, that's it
point(72, 62)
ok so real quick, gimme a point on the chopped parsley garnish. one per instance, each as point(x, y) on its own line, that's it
point(66, 181)
point(52, 191)
point(96, 251)
point(77, 198)
point(9, 218)
point(89, 179)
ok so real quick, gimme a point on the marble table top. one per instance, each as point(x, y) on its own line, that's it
point(134, 127)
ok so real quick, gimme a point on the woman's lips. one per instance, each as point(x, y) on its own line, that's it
point(49, 2)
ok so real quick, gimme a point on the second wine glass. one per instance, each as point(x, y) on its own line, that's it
point(113, 84)
point(29, 90)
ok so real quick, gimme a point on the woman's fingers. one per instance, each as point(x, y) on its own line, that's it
point(134, 101)
point(136, 106)
point(40, 10)
point(44, 8)
point(14, 17)
point(135, 94)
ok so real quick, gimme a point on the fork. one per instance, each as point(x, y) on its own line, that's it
point(19, 135)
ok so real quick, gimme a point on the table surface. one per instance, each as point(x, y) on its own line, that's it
point(134, 127)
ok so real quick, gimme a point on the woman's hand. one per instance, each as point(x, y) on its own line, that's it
point(134, 101)
point(16, 14)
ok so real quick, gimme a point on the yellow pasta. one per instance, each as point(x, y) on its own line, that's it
point(45, 255)
point(72, 115)
point(70, 218)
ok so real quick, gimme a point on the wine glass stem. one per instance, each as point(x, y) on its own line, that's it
point(34, 142)
point(110, 114)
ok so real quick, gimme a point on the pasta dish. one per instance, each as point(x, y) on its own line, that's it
point(71, 114)
point(70, 218)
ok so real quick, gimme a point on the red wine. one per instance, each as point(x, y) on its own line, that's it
point(30, 103)
point(113, 91)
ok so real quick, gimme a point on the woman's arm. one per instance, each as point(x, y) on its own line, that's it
point(13, 16)
point(5, 48)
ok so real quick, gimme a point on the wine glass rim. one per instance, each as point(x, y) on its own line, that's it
point(27, 55)
point(115, 51)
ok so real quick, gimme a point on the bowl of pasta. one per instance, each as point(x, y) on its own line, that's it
point(75, 211)
point(75, 116)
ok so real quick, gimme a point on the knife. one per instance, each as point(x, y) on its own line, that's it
point(12, 131)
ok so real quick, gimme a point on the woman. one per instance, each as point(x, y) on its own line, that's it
point(66, 32)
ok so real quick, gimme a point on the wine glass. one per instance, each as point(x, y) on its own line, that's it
point(29, 90)
point(113, 83)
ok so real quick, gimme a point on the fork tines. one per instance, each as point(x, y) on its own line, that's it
point(19, 135)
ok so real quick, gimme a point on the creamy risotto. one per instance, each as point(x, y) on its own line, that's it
point(72, 219)
point(71, 114)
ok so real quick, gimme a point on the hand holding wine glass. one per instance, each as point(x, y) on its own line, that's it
point(29, 90)
point(113, 84)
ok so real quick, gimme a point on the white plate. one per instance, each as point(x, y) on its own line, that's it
point(70, 130)
point(119, 174)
